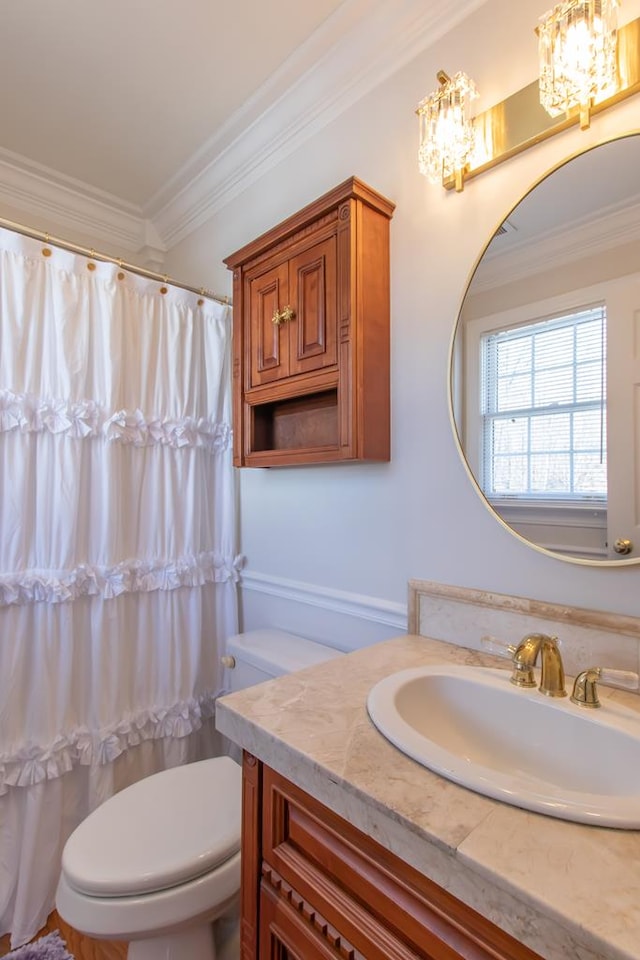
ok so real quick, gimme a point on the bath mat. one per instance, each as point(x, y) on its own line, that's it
point(51, 947)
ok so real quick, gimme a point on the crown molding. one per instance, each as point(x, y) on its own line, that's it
point(46, 195)
point(358, 47)
point(572, 243)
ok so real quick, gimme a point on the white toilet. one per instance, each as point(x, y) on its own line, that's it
point(158, 863)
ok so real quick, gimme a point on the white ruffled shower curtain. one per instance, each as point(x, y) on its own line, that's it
point(118, 561)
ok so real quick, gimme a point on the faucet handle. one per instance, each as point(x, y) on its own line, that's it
point(585, 687)
point(497, 647)
point(622, 679)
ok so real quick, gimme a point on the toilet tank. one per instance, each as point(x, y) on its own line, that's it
point(259, 655)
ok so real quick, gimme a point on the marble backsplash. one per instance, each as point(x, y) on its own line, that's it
point(460, 615)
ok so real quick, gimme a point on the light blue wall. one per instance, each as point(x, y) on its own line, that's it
point(365, 530)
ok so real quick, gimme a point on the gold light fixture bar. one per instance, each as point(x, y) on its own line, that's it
point(519, 122)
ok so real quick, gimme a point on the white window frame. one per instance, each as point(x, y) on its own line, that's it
point(552, 511)
point(491, 415)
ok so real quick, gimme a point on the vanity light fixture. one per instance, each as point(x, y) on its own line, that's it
point(519, 122)
point(577, 51)
point(447, 132)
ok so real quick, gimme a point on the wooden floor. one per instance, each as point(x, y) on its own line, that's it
point(82, 948)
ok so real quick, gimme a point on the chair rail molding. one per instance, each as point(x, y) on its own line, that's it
point(387, 612)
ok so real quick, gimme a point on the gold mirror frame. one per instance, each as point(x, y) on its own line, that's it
point(556, 555)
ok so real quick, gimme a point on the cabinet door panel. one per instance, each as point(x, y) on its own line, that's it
point(268, 341)
point(312, 288)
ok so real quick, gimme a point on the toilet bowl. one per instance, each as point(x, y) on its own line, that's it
point(158, 864)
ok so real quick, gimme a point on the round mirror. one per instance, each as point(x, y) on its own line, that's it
point(545, 361)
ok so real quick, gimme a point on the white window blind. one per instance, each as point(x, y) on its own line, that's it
point(543, 409)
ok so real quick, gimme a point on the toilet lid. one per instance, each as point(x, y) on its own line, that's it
point(161, 831)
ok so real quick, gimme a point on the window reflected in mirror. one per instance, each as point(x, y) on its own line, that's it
point(546, 360)
point(543, 410)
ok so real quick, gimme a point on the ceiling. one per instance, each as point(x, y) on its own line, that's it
point(597, 184)
point(121, 94)
point(140, 118)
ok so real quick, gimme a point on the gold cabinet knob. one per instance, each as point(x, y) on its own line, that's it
point(283, 316)
point(228, 661)
point(623, 546)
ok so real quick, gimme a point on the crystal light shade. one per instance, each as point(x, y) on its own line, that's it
point(447, 134)
point(577, 52)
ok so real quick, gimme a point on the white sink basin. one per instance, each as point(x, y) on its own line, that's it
point(471, 725)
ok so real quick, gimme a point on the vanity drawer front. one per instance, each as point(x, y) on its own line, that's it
point(289, 933)
point(293, 919)
point(383, 907)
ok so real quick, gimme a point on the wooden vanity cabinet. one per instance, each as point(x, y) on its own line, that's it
point(311, 334)
point(315, 888)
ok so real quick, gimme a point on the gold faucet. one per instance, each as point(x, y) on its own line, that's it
point(525, 657)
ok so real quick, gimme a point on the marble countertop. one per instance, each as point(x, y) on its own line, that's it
point(564, 889)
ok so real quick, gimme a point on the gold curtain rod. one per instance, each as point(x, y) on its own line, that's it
point(106, 258)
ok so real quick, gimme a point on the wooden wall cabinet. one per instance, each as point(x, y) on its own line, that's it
point(315, 888)
point(311, 334)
